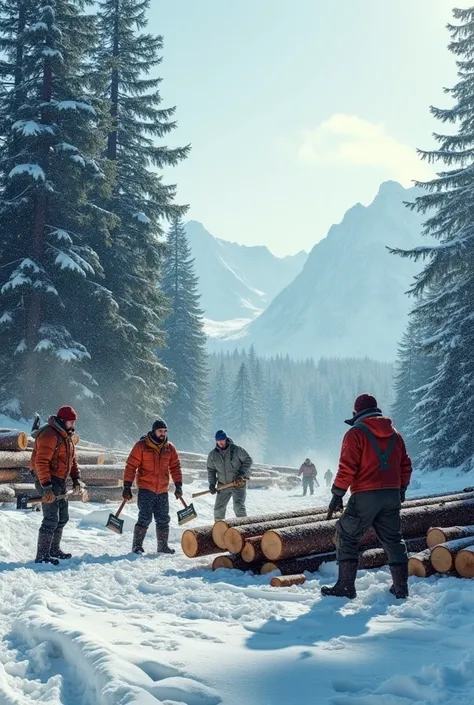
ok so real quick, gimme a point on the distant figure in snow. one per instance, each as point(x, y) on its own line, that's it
point(152, 460)
point(52, 462)
point(226, 463)
point(328, 477)
point(375, 465)
point(309, 473)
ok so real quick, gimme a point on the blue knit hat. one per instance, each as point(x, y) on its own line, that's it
point(221, 436)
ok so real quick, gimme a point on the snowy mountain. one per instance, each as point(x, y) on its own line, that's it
point(349, 300)
point(237, 282)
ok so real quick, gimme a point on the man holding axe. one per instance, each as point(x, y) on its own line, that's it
point(53, 461)
point(152, 460)
point(227, 464)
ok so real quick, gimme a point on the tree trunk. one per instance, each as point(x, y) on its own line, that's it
point(464, 562)
point(198, 542)
point(15, 440)
point(318, 536)
point(114, 88)
point(220, 527)
point(442, 556)
point(420, 564)
point(437, 535)
point(288, 580)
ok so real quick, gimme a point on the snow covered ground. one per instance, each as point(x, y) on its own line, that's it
point(109, 628)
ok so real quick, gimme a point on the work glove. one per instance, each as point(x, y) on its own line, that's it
point(240, 482)
point(212, 489)
point(48, 494)
point(403, 491)
point(127, 490)
point(336, 504)
point(77, 485)
point(178, 489)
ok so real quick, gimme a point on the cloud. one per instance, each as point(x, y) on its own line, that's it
point(352, 141)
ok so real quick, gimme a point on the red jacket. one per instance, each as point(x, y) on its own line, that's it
point(153, 464)
point(54, 454)
point(359, 464)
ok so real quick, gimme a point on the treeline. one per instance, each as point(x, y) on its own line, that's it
point(83, 209)
point(435, 367)
point(283, 410)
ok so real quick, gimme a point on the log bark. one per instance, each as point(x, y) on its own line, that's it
point(103, 482)
point(7, 494)
point(236, 563)
point(420, 564)
point(11, 459)
point(317, 537)
point(220, 527)
point(14, 440)
point(198, 542)
point(288, 580)
point(464, 562)
point(438, 535)
point(236, 536)
point(101, 472)
point(252, 550)
point(104, 494)
point(443, 556)
point(12, 475)
point(84, 458)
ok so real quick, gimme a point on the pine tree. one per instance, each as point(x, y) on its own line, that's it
point(277, 418)
point(137, 384)
point(185, 351)
point(447, 280)
point(218, 400)
point(242, 405)
point(49, 270)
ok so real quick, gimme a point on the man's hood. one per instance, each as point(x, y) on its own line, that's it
point(381, 426)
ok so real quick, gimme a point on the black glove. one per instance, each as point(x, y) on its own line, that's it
point(127, 490)
point(212, 489)
point(77, 484)
point(336, 504)
point(403, 491)
point(48, 494)
point(178, 489)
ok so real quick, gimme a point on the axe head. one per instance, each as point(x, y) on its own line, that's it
point(186, 514)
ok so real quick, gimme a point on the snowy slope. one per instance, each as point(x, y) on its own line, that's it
point(109, 628)
point(237, 282)
point(349, 300)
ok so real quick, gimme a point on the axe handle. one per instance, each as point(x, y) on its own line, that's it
point(222, 487)
point(119, 510)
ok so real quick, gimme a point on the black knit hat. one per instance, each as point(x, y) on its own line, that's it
point(159, 423)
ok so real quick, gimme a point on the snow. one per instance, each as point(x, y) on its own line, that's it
point(142, 218)
point(31, 128)
point(33, 170)
point(6, 317)
point(222, 329)
point(109, 627)
point(75, 105)
point(79, 265)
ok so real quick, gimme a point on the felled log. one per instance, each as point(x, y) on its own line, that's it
point(443, 556)
point(7, 494)
point(420, 564)
point(317, 536)
point(11, 475)
point(438, 535)
point(236, 536)
point(102, 493)
point(13, 440)
point(103, 482)
point(105, 472)
point(288, 580)
point(236, 563)
point(464, 562)
point(252, 550)
point(11, 459)
point(85, 458)
point(198, 542)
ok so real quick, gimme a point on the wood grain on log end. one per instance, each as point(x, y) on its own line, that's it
point(464, 562)
point(252, 550)
point(234, 541)
point(268, 567)
point(287, 580)
point(441, 559)
point(222, 562)
point(218, 533)
point(434, 537)
point(420, 565)
point(189, 543)
point(272, 545)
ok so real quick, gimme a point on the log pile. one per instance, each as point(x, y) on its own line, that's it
point(298, 542)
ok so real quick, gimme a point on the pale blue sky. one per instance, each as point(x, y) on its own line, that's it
point(297, 109)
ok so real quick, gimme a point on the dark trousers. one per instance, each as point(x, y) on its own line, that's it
point(308, 482)
point(152, 505)
point(377, 508)
point(56, 514)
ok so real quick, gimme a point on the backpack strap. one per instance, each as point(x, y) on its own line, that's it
point(383, 456)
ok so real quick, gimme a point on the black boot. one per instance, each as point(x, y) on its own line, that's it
point(162, 539)
point(345, 586)
point(55, 550)
point(399, 573)
point(139, 534)
point(43, 552)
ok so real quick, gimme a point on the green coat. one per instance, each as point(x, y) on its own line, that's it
point(228, 465)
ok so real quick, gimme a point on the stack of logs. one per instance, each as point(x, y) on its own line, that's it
point(450, 550)
point(300, 541)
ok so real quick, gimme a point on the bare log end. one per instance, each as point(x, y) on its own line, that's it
point(234, 541)
point(222, 562)
point(218, 533)
point(287, 580)
point(272, 545)
point(189, 543)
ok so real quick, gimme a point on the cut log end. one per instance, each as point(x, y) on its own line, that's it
point(464, 562)
point(189, 543)
point(13, 440)
point(272, 545)
point(287, 580)
point(268, 567)
point(222, 562)
point(218, 532)
point(434, 537)
point(234, 541)
point(417, 567)
point(441, 559)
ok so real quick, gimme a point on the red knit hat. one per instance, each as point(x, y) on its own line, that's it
point(67, 413)
point(365, 402)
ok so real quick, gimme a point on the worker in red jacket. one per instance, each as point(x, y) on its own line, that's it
point(375, 465)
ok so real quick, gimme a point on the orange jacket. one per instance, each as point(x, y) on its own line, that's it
point(54, 454)
point(153, 464)
point(359, 465)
